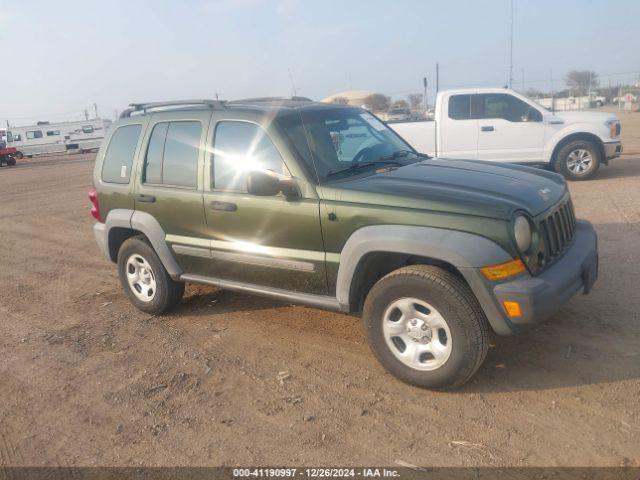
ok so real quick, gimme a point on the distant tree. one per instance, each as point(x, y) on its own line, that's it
point(340, 100)
point(415, 100)
point(400, 104)
point(581, 80)
point(532, 93)
point(377, 102)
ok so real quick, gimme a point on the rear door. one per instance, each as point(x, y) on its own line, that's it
point(510, 130)
point(169, 185)
point(457, 128)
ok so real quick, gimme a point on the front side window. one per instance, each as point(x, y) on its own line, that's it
point(31, 134)
point(345, 142)
point(118, 158)
point(9, 137)
point(172, 154)
point(238, 149)
point(507, 107)
point(17, 137)
point(87, 129)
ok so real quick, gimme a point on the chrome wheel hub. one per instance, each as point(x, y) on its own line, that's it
point(141, 278)
point(579, 161)
point(417, 334)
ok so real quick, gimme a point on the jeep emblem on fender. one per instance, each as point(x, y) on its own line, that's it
point(544, 193)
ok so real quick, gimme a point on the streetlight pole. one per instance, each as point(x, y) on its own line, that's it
point(511, 48)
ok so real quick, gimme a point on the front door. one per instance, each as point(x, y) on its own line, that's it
point(271, 241)
point(510, 130)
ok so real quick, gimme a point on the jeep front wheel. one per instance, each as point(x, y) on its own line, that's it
point(144, 279)
point(426, 327)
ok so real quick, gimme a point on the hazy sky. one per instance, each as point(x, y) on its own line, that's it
point(61, 56)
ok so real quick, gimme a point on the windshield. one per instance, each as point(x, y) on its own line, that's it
point(345, 142)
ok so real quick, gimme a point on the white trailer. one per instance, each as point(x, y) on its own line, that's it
point(45, 137)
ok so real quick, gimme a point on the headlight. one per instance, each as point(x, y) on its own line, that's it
point(522, 233)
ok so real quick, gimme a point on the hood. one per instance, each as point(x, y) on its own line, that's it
point(457, 186)
point(581, 116)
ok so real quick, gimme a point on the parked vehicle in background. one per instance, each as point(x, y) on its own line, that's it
point(325, 205)
point(500, 125)
point(397, 115)
point(7, 155)
point(572, 103)
point(45, 137)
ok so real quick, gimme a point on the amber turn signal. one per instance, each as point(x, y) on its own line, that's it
point(503, 270)
point(512, 308)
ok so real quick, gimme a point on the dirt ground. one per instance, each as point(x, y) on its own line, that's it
point(86, 379)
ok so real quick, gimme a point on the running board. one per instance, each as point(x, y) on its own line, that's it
point(320, 301)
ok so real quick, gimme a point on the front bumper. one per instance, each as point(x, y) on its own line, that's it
point(542, 296)
point(612, 149)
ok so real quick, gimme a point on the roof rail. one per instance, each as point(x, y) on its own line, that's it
point(143, 107)
point(272, 99)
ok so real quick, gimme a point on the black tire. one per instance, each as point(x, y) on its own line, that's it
point(167, 291)
point(455, 302)
point(564, 157)
point(19, 155)
point(11, 161)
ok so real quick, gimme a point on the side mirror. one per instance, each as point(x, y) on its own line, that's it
point(533, 115)
point(265, 183)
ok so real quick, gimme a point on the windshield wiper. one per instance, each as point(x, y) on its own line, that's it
point(404, 153)
point(358, 165)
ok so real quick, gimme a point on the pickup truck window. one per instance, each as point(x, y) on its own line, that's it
point(460, 107)
point(31, 134)
point(239, 148)
point(507, 107)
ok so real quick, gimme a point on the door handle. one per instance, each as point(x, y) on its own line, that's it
point(487, 128)
point(145, 198)
point(223, 206)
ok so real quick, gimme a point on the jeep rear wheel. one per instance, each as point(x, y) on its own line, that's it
point(578, 160)
point(426, 327)
point(144, 279)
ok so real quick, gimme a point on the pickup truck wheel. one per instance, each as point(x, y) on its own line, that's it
point(144, 278)
point(578, 160)
point(19, 155)
point(426, 327)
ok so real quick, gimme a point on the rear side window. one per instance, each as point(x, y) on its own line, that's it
point(116, 167)
point(172, 154)
point(460, 107)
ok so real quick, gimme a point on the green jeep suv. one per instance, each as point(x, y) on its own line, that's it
point(324, 205)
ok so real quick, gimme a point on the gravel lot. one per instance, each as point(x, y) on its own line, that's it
point(85, 379)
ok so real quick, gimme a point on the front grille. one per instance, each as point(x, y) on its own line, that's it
point(557, 230)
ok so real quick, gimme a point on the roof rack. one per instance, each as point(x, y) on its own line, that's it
point(272, 99)
point(144, 107)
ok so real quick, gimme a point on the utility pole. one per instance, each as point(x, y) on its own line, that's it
point(293, 85)
point(523, 80)
point(437, 77)
point(511, 48)
point(86, 114)
point(95, 109)
point(424, 83)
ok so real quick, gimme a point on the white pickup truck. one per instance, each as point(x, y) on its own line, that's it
point(498, 124)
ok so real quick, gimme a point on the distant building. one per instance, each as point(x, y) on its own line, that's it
point(354, 97)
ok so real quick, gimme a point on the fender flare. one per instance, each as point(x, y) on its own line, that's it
point(149, 226)
point(465, 251)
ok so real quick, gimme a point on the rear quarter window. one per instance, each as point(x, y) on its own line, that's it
point(460, 107)
point(116, 167)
